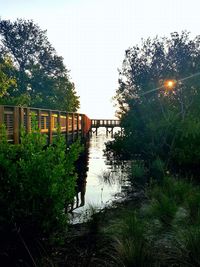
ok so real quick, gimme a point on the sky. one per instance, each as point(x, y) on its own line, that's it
point(92, 36)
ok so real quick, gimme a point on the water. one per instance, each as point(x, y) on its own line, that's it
point(100, 182)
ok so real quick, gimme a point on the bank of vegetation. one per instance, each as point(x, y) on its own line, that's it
point(159, 227)
point(159, 100)
point(37, 181)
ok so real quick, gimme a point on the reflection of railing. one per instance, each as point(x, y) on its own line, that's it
point(48, 121)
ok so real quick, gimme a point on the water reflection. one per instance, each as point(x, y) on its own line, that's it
point(100, 181)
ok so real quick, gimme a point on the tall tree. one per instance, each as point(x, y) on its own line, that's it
point(39, 69)
point(160, 121)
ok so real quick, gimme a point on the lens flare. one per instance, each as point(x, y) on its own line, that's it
point(169, 84)
point(176, 81)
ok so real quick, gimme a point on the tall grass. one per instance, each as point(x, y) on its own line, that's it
point(164, 209)
point(177, 190)
point(131, 244)
point(164, 231)
point(193, 205)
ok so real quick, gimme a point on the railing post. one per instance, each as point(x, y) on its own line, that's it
point(21, 115)
point(83, 126)
point(16, 125)
point(77, 125)
point(72, 127)
point(39, 119)
point(59, 120)
point(28, 120)
point(50, 127)
point(1, 115)
point(67, 128)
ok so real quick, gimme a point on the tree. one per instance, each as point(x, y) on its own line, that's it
point(6, 79)
point(39, 70)
point(159, 122)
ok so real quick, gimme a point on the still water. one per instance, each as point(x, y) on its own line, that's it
point(100, 181)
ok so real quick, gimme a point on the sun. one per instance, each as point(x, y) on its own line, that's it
point(169, 84)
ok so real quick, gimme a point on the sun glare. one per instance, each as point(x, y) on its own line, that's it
point(169, 84)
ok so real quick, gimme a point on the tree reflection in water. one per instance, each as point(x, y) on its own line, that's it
point(100, 181)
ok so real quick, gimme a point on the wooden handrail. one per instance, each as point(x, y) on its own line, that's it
point(48, 122)
point(71, 124)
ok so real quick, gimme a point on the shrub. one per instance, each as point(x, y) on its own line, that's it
point(157, 169)
point(177, 190)
point(193, 205)
point(164, 209)
point(131, 244)
point(36, 183)
point(138, 174)
point(187, 243)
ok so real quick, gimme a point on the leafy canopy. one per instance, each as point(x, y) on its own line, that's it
point(42, 78)
point(6, 80)
point(159, 122)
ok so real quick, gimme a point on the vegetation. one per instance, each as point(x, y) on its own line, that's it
point(157, 231)
point(41, 78)
point(160, 118)
point(6, 80)
point(36, 184)
point(161, 232)
point(158, 103)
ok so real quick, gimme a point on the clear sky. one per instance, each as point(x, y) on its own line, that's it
point(92, 36)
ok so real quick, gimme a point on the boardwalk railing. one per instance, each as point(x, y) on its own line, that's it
point(105, 123)
point(108, 124)
point(71, 124)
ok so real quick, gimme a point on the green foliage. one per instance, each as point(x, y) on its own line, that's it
point(164, 209)
point(187, 245)
point(160, 123)
point(157, 169)
point(131, 243)
point(138, 169)
point(37, 183)
point(193, 205)
point(41, 78)
point(6, 79)
point(138, 173)
point(163, 231)
point(177, 190)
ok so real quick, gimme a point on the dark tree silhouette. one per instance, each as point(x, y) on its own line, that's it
point(42, 78)
point(159, 122)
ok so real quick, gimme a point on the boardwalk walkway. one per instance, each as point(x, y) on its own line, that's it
point(72, 125)
point(108, 124)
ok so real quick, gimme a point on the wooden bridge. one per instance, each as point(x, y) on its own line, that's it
point(72, 125)
point(108, 124)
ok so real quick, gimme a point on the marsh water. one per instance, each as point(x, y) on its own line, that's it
point(100, 181)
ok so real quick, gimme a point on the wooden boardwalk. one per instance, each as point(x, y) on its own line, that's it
point(72, 125)
point(108, 124)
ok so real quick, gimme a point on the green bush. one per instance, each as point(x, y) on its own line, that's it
point(164, 209)
point(131, 244)
point(193, 205)
point(36, 183)
point(175, 189)
point(138, 173)
point(157, 169)
point(187, 243)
